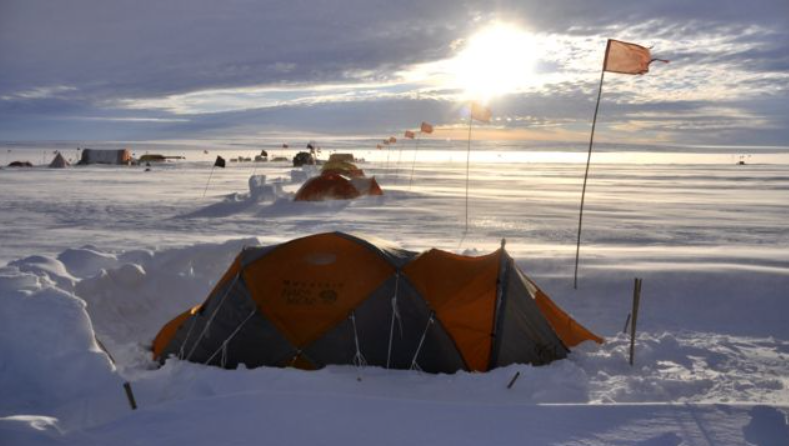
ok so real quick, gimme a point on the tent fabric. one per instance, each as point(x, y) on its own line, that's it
point(341, 157)
point(59, 162)
point(458, 288)
point(327, 187)
point(306, 302)
point(342, 168)
point(367, 186)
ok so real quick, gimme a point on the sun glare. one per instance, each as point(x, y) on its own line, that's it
point(495, 61)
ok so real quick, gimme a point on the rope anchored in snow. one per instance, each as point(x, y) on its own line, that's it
point(395, 316)
point(358, 358)
point(211, 318)
point(223, 348)
point(430, 321)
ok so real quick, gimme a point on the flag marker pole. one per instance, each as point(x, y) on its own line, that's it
point(413, 163)
point(388, 173)
point(397, 166)
point(468, 163)
point(586, 174)
point(209, 180)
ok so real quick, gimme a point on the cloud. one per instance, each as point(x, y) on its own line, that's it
point(181, 67)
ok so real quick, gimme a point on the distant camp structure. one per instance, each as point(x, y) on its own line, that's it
point(59, 162)
point(340, 179)
point(157, 158)
point(336, 298)
point(304, 159)
point(262, 157)
point(20, 164)
point(115, 157)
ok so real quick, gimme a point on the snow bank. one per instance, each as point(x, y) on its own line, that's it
point(52, 364)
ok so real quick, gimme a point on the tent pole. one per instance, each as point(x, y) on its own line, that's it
point(413, 163)
point(209, 180)
point(586, 177)
point(468, 162)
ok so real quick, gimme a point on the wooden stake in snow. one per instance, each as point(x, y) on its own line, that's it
point(512, 381)
point(636, 300)
point(130, 395)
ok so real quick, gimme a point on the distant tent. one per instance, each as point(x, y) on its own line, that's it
point(94, 156)
point(336, 298)
point(20, 164)
point(59, 161)
point(342, 168)
point(342, 157)
point(327, 187)
point(367, 186)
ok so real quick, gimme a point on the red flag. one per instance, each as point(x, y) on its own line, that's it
point(392, 139)
point(426, 128)
point(409, 134)
point(627, 58)
point(480, 112)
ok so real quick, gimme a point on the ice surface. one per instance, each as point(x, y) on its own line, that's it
point(112, 253)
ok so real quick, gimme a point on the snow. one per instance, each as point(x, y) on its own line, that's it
point(112, 253)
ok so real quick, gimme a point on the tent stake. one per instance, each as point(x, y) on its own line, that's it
point(130, 395)
point(514, 378)
point(636, 301)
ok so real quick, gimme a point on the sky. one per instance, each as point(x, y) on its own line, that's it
point(237, 69)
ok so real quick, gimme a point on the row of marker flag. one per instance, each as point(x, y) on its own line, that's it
point(620, 57)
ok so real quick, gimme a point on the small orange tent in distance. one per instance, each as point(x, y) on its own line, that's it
point(335, 298)
point(330, 186)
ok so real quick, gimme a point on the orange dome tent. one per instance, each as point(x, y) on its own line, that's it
point(338, 299)
point(327, 187)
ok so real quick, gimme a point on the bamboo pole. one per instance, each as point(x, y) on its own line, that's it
point(586, 173)
point(413, 163)
point(636, 302)
point(209, 180)
point(468, 163)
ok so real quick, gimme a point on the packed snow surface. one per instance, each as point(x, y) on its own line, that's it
point(98, 258)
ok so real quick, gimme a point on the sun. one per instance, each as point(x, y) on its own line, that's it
point(495, 61)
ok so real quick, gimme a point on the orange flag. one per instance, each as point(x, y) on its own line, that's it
point(409, 134)
point(627, 58)
point(392, 139)
point(480, 112)
point(378, 147)
point(426, 128)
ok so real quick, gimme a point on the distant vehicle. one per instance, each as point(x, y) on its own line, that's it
point(156, 158)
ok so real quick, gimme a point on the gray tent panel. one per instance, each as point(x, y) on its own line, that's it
point(524, 335)
point(256, 343)
point(437, 355)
